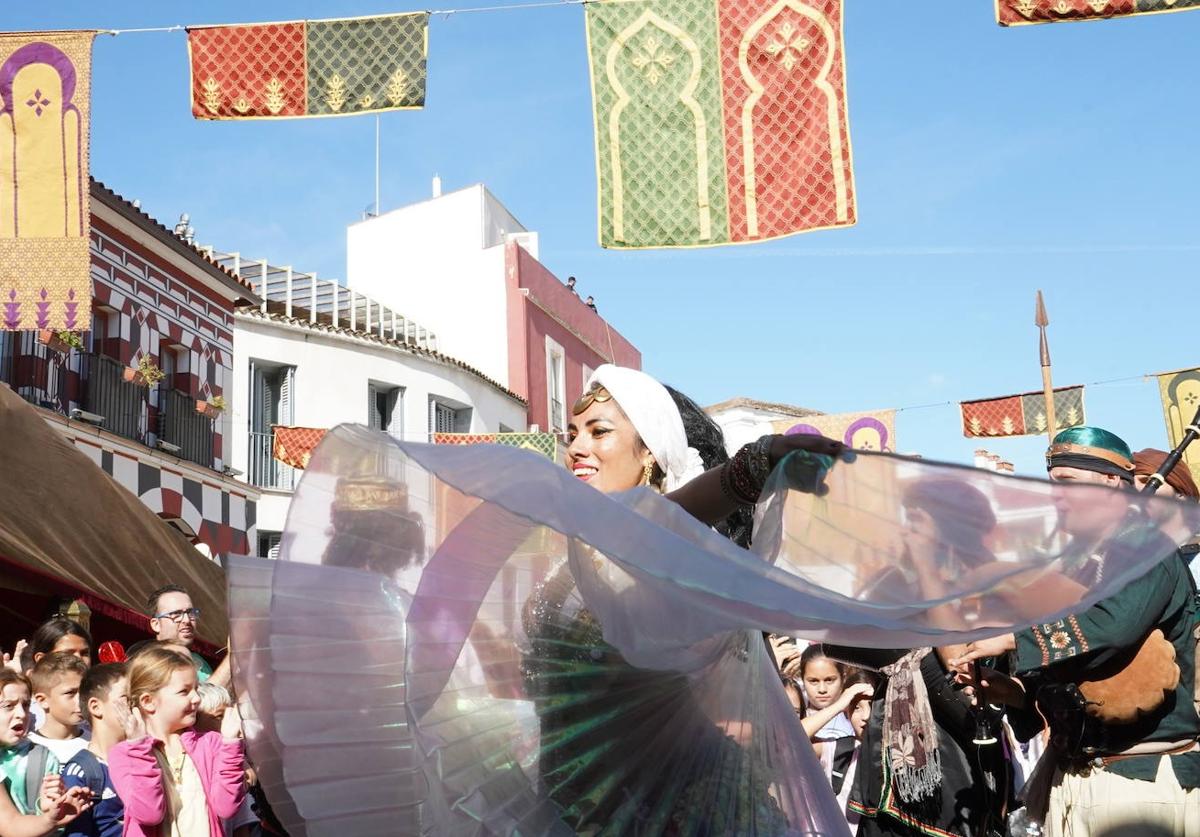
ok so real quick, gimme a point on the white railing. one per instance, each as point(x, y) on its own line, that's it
point(304, 296)
point(264, 470)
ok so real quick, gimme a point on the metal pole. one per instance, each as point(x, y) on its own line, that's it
point(377, 210)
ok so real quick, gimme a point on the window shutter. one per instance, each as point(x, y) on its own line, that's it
point(286, 385)
point(395, 414)
point(374, 419)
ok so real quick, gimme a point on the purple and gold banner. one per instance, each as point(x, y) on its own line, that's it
point(45, 90)
point(871, 430)
point(1180, 393)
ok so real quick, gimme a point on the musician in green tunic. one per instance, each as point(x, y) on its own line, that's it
point(1124, 757)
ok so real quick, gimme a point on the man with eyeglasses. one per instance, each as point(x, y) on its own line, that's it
point(173, 617)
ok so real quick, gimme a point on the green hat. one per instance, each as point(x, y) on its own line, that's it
point(1091, 449)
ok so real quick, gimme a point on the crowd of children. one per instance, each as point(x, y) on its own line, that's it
point(833, 703)
point(139, 747)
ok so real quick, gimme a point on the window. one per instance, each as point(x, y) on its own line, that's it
point(271, 396)
point(447, 416)
point(268, 544)
point(443, 419)
point(555, 381)
point(385, 408)
point(272, 388)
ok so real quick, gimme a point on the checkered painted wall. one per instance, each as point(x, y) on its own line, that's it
point(223, 518)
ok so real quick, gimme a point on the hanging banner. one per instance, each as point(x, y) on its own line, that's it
point(1023, 12)
point(544, 443)
point(718, 122)
point(339, 67)
point(294, 445)
point(1021, 415)
point(45, 222)
point(872, 430)
point(1180, 392)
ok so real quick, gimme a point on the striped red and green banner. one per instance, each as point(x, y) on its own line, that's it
point(544, 443)
point(1021, 415)
point(1023, 12)
point(719, 121)
point(338, 67)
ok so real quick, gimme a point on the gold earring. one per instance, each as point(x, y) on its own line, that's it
point(647, 473)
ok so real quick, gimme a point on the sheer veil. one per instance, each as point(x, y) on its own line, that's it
point(413, 663)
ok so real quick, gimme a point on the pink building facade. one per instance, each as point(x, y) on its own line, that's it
point(555, 340)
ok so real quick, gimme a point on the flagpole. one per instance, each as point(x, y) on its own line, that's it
point(377, 210)
point(1041, 321)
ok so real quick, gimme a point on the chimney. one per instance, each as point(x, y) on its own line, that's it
point(437, 186)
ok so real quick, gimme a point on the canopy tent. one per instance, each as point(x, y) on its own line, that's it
point(67, 527)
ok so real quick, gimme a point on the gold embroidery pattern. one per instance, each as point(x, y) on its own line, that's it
point(397, 88)
point(653, 60)
point(335, 93)
point(1099, 5)
point(242, 105)
point(273, 96)
point(212, 95)
point(1059, 640)
point(1063, 7)
point(686, 97)
point(1026, 7)
point(840, 185)
point(788, 46)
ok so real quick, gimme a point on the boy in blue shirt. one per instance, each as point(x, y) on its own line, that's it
point(104, 687)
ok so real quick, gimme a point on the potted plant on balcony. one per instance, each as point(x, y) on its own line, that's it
point(145, 374)
point(60, 341)
point(213, 407)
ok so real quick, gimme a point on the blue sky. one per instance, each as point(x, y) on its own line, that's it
point(988, 163)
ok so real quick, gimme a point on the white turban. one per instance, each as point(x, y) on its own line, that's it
point(656, 419)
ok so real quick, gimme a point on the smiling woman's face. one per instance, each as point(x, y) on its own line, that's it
point(603, 448)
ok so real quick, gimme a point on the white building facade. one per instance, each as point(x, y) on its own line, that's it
point(316, 355)
point(443, 261)
point(743, 420)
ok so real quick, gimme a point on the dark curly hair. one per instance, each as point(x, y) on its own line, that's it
point(706, 437)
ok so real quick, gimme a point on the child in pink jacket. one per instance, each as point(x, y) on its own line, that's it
point(172, 779)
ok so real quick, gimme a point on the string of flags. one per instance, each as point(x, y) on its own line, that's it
point(716, 121)
point(1023, 414)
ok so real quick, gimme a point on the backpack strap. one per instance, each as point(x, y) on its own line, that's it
point(93, 772)
point(35, 771)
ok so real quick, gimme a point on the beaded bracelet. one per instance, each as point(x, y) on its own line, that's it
point(727, 488)
point(737, 480)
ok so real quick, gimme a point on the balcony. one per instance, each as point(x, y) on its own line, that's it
point(181, 425)
point(124, 404)
point(61, 382)
point(265, 471)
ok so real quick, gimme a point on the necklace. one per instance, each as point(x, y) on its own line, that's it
point(177, 767)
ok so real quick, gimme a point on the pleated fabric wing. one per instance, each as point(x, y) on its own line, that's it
point(468, 640)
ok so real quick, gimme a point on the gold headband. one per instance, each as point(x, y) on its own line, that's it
point(597, 394)
point(1086, 450)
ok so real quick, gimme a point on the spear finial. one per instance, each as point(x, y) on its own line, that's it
point(1041, 321)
